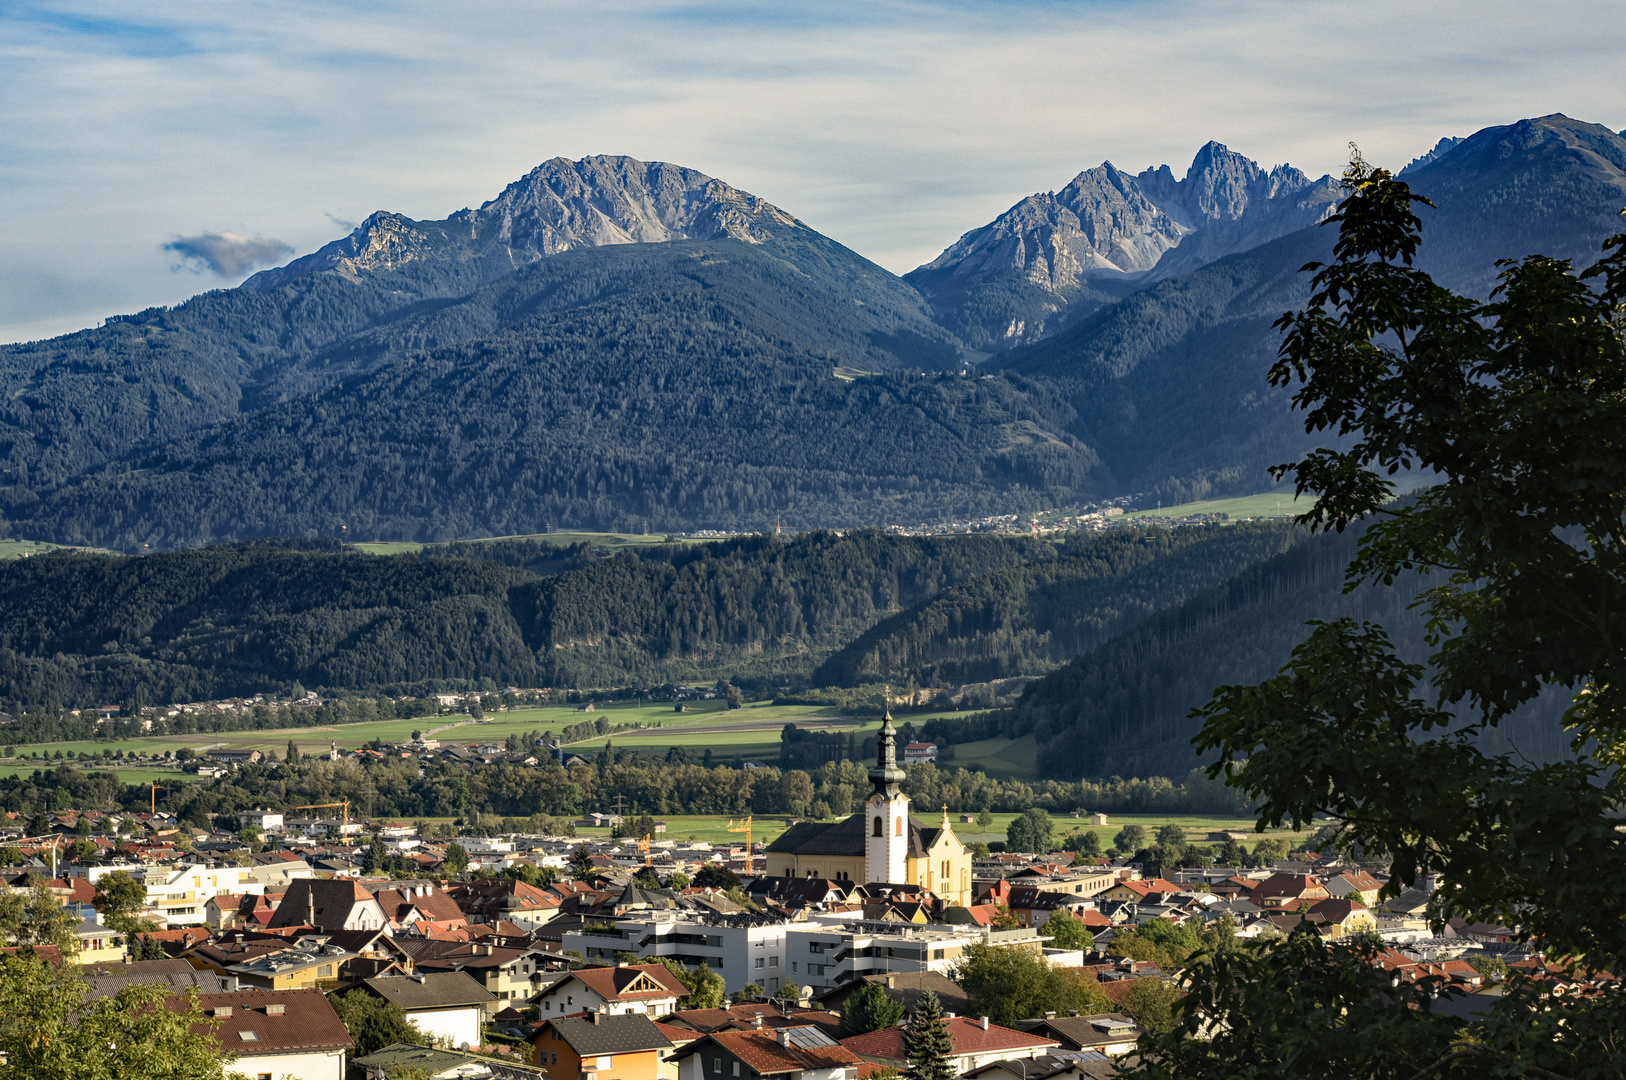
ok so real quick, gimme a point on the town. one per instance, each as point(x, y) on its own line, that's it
point(326, 946)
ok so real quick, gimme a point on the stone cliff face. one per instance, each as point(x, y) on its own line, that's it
point(1023, 275)
point(559, 206)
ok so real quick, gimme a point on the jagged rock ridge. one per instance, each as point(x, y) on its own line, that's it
point(559, 206)
point(1057, 255)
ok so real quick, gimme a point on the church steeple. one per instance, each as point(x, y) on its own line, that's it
point(886, 776)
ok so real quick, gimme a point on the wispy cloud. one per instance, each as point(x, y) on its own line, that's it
point(891, 125)
point(227, 255)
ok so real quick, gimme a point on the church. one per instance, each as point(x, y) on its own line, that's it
point(882, 844)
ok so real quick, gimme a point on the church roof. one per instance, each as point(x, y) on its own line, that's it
point(847, 837)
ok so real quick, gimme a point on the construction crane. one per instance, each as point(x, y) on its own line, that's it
point(745, 827)
point(643, 846)
point(344, 829)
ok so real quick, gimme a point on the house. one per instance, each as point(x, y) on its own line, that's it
point(907, 987)
point(1109, 1033)
point(265, 820)
point(1355, 885)
point(310, 963)
point(650, 989)
point(399, 1059)
point(599, 1046)
point(108, 979)
point(446, 1005)
point(881, 843)
point(510, 974)
point(507, 899)
point(406, 904)
point(97, 943)
point(790, 1053)
point(233, 757)
point(332, 904)
point(1288, 890)
point(284, 1033)
point(1343, 917)
point(920, 753)
point(975, 1042)
point(1138, 891)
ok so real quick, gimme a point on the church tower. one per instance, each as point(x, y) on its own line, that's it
point(886, 832)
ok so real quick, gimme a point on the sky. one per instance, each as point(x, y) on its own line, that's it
point(152, 151)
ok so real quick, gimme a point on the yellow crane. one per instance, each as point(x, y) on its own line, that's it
point(745, 827)
point(345, 828)
point(643, 846)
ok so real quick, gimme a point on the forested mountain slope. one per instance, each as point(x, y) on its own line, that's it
point(696, 388)
point(1169, 385)
point(78, 629)
point(1027, 619)
point(1124, 707)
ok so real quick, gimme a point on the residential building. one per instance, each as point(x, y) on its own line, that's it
point(906, 987)
point(1112, 1034)
point(783, 1053)
point(331, 904)
point(976, 1043)
point(920, 753)
point(400, 1058)
point(97, 943)
point(274, 1035)
point(884, 843)
point(266, 820)
point(599, 1046)
point(446, 1005)
point(650, 989)
point(743, 948)
point(512, 975)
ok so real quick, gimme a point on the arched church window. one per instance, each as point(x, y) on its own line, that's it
point(897, 827)
point(878, 829)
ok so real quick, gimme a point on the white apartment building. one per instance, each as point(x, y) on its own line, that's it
point(772, 952)
point(179, 893)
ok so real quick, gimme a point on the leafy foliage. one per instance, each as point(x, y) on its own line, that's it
point(870, 1009)
point(373, 1022)
point(1007, 985)
point(1032, 832)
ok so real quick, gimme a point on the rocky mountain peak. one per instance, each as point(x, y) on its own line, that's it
point(558, 206)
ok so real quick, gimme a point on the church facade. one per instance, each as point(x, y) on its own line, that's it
point(882, 844)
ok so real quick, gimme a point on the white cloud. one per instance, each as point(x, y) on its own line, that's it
point(893, 127)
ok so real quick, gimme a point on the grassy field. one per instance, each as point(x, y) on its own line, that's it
point(1197, 826)
point(1276, 503)
point(1004, 759)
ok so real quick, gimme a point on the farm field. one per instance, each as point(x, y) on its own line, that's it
point(1003, 759)
point(1276, 503)
point(1197, 826)
point(751, 731)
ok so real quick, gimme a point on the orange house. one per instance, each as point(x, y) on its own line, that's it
point(598, 1046)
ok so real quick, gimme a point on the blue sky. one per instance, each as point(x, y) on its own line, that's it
point(134, 136)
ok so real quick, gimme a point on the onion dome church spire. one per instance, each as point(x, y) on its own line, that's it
point(886, 775)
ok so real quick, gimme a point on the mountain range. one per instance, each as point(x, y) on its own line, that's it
point(616, 344)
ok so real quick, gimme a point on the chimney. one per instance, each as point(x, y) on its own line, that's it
point(984, 1020)
point(783, 1035)
point(596, 1015)
point(276, 1010)
point(756, 1024)
point(889, 982)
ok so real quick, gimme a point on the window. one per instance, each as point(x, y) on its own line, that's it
point(554, 1054)
point(878, 827)
point(793, 967)
point(815, 946)
point(945, 870)
point(897, 827)
point(716, 1065)
point(249, 1036)
point(605, 1061)
point(262, 1076)
point(773, 961)
point(759, 962)
point(736, 1068)
point(937, 954)
point(570, 1000)
point(325, 971)
point(815, 969)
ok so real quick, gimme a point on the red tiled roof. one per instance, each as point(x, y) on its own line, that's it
point(306, 1022)
point(677, 1035)
point(617, 983)
point(763, 1053)
point(966, 1034)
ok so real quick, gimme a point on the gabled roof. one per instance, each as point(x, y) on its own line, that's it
point(631, 982)
point(254, 1026)
point(966, 1034)
point(780, 1050)
point(430, 990)
point(1086, 1032)
point(846, 837)
point(597, 1033)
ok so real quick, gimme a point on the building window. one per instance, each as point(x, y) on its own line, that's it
point(793, 967)
point(773, 961)
point(878, 831)
point(897, 827)
point(736, 1068)
point(554, 1054)
point(716, 1065)
point(937, 954)
point(325, 971)
point(759, 962)
point(815, 946)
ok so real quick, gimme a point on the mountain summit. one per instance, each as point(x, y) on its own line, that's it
point(1058, 255)
point(559, 206)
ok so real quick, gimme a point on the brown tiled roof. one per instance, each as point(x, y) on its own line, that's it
point(966, 1034)
point(709, 1020)
point(619, 1033)
point(1119, 991)
point(306, 1022)
point(631, 982)
point(764, 1053)
point(431, 990)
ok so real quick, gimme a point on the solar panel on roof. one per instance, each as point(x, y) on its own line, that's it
point(808, 1038)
